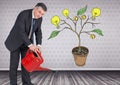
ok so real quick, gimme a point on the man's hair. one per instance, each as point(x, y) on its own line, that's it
point(41, 5)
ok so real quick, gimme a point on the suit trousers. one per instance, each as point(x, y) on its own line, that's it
point(14, 62)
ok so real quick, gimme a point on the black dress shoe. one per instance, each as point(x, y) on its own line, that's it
point(53, 71)
point(29, 84)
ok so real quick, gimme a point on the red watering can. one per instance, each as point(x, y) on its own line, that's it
point(32, 61)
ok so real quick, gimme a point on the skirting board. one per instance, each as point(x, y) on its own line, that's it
point(74, 69)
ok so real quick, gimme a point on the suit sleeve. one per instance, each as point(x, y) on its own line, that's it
point(20, 23)
point(38, 33)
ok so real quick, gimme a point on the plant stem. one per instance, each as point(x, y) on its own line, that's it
point(92, 23)
point(75, 31)
point(79, 40)
point(79, 43)
point(64, 28)
point(70, 28)
point(82, 26)
point(75, 23)
point(87, 32)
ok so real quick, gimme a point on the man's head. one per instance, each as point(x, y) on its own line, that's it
point(39, 10)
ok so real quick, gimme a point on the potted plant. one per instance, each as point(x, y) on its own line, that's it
point(80, 52)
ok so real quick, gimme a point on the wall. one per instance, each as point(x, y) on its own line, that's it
point(104, 51)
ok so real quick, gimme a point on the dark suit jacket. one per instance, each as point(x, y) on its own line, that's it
point(20, 31)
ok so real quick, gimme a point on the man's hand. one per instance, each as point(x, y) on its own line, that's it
point(32, 47)
point(38, 49)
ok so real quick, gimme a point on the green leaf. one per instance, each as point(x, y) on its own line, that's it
point(98, 31)
point(82, 10)
point(54, 34)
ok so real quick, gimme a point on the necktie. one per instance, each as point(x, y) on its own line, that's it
point(32, 31)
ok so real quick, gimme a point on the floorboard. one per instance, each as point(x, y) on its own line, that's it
point(67, 78)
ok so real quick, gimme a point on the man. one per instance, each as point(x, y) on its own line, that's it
point(21, 37)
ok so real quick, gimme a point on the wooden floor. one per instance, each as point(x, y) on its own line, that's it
point(68, 78)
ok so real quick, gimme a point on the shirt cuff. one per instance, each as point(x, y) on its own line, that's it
point(30, 45)
point(39, 45)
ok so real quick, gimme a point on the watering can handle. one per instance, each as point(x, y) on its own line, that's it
point(28, 51)
point(38, 54)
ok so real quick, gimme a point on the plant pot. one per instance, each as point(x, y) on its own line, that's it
point(80, 55)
